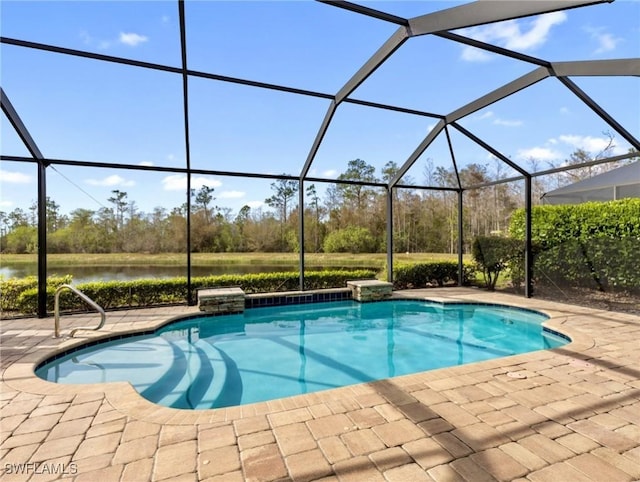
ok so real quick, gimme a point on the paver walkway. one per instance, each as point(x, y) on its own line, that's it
point(569, 414)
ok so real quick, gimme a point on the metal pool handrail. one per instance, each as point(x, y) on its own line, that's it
point(83, 297)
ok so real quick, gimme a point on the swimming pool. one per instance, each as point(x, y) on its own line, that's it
point(269, 353)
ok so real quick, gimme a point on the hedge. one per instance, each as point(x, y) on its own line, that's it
point(593, 244)
point(12, 288)
point(21, 296)
point(553, 225)
point(421, 275)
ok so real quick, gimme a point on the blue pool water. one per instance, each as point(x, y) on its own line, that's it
point(269, 353)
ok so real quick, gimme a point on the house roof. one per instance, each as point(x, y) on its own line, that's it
point(615, 184)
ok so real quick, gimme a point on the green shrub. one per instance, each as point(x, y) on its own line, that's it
point(11, 289)
point(494, 254)
point(558, 224)
point(421, 275)
point(151, 292)
point(602, 264)
point(594, 245)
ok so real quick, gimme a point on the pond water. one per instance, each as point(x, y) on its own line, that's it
point(84, 274)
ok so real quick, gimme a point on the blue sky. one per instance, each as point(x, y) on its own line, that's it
point(88, 110)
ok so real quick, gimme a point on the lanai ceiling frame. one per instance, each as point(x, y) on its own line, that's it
point(438, 24)
point(463, 16)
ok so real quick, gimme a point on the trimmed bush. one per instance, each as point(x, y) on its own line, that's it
point(421, 275)
point(594, 245)
point(152, 292)
point(12, 288)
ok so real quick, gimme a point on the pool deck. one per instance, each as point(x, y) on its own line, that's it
point(568, 414)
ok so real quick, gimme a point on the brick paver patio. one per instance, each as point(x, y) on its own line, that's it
point(570, 414)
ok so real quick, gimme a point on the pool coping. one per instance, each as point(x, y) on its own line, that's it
point(123, 397)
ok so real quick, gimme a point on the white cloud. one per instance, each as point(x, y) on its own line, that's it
point(178, 182)
point(537, 34)
point(592, 145)
point(198, 182)
point(146, 163)
point(507, 123)
point(86, 38)
point(512, 34)
point(497, 120)
point(14, 177)
point(539, 153)
point(6, 204)
point(132, 39)
point(564, 110)
point(560, 148)
point(175, 182)
point(255, 204)
point(110, 181)
point(486, 115)
point(232, 194)
point(472, 54)
point(606, 42)
point(331, 173)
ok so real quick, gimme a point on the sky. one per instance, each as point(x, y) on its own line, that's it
point(83, 109)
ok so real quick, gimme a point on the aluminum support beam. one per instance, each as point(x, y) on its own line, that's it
point(207, 75)
point(604, 115)
point(376, 60)
point(331, 110)
point(528, 253)
point(453, 157)
point(500, 93)
point(460, 237)
point(593, 68)
point(493, 48)
point(185, 104)
point(369, 12)
point(489, 148)
point(390, 234)
point(596, 162)
point(426, 142)
point(18, 125)
point(488, 11)
point(25, 136)
point(546, 172)
point(301, 230)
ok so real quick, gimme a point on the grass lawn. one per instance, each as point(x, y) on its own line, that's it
point(209, 259)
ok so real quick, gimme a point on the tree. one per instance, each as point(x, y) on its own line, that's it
point(353, 239)
point(241, 220)
point(17, 218)
point(357, 170)
point(313, 196)
point(203, 198)
point(55, 220)
point(120, 203)
point(284, 190)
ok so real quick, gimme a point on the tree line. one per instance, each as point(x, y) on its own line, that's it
point(345, 218)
